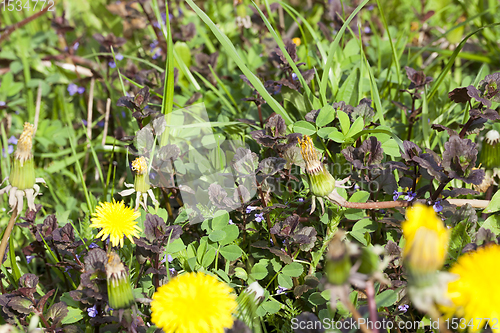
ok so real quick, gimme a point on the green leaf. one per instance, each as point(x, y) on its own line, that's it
point(365, 225)
point(259, 271)
point(272, 306)
point(494, 205)
point(304, 127)
point(220, 220)
point(360, 196)
point(240, 273)
point(347, 89)
point(359, 236)
point(231, 252)
point(386, 298)
point(232, 232)
point(294, 269)
point(345, 124)
point(356, 127)
point(176, 246)
point(391, 148)
point(285, 281)
point(493, 223)
point(217, 235)
point(326, 131)
point(336, 136)
point(326, 115)
point(316, 299)
point(208, 258)
point(74, 315)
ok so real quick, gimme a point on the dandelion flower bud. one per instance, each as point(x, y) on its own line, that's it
point(120, 293)
point(321, 182)
point(22, 174)
point(426, 241)
point(490, 152)
point(25, 143)
point(140, 166)
point(338, 262)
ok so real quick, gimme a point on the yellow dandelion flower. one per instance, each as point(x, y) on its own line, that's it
point(193, 302)
point(139, 165)
point(426, 240)
point(296, 41)
point(476, 292)
point(116, 221)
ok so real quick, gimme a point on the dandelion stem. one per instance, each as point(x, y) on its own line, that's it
point(372, 306)
point(8, 230)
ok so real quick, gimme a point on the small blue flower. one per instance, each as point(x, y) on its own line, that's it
point(172, 271)
point(156, 55)
point(395, 195)
point(75, 46)
point(93, 245)
point(250, 209)
point(84, 122)
point(169, 258)
point(124, 114)
point(382, 211)
point(259, 217)
point(367, 30)
point(410, 196)
point(294, 77)
point(29, 258)
point(81, 90)
point(278, 90)
point(403, 308)
point(119, 56)
point(92, 311)
point(153, 44)
point(12, 140)
point(10, 150)
point(100, 124)
point(356, 187)
point(281, 290)
point(301, 199)
point(370, 7)
point(272, 243)
point(2, 103)
point(112, 64)
point(72, 89)
point(437, 206)
point(231, 221)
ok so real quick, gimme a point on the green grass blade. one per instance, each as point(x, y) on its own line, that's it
point(185, 70)
point(223, 86)
point(231, 51)
point(333, 48)
point(393, 48)
point(281, 45)
point(375, 93)
point(216, 91)
point(168, 90)
point(450, 63)
point(79, 170)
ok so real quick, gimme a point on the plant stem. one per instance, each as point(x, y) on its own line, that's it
point(440, 188)
point(372, 306)
point(8, 230)
point(330, 232)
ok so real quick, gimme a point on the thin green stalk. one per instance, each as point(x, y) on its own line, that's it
point(7, 232)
